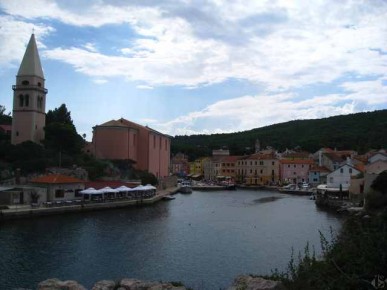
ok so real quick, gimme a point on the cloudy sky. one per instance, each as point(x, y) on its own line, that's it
point(187, 67)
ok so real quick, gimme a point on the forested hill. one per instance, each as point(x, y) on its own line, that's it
point(360, 131)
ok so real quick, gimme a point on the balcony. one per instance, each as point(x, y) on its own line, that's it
point(28, 87)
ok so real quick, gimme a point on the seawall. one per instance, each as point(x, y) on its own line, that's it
point(28, 212)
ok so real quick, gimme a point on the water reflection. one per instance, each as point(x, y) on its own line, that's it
point(204, 239)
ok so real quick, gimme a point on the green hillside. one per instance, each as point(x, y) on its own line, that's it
point(360, 131)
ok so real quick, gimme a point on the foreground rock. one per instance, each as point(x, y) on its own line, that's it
point(124, 284)
point(255, 283)
point(53, 284)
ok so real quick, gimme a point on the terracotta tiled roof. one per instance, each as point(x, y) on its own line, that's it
point(258, 156)
point(319, 168)
point(231, 158)
point(297, 161)
point(360, 167)
point(56, 179)
point(6, 128)
point(334, 156)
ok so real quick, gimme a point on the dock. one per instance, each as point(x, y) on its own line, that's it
point(27, 211)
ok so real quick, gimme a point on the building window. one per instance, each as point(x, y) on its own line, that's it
point(17, 133)
point(350, 170)
point(294, 173)
point(39, 84)
point(341, 170)
point(27, 100)
point(260, 162)
point(331, 179)
point(21, 100)
point(59, 193)
point(261, 171)
point(288, 165)
point(272, 163)
point(25, 83)
point(302, 165)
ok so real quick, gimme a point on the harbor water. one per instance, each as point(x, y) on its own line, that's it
point(203, 239)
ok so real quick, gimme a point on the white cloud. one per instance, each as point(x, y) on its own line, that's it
point(250, 112)
point(279, 44)
point(14, 33)
point(100, 81)
point(144, 87)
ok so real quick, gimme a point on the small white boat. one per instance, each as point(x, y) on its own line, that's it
point(185, 187)
point(169, 197)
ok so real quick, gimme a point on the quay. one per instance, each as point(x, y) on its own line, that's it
point(28, 211)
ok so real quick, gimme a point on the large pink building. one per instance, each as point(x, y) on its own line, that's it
point(124, 140)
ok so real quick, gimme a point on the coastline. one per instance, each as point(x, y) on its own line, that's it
point(28, 211)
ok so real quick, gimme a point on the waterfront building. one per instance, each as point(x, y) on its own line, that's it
point(29, 98)
point(258, 169)
point(180, 165)
point(122, 139)
point(228, 167)
point(60, 187)
point(334, 159)
point(22, 195)
point(318, 175)
point(341, 177)
point(295, 171)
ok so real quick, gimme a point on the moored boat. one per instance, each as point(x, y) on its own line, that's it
point(168, 197)
point(185, 187)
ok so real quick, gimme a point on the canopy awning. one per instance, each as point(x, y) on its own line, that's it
point(124, 188)
point(108, 189)
point(91, 190)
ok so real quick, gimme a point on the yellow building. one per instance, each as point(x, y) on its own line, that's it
point(258, 169)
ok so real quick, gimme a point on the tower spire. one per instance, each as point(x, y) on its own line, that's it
point(29, 98)
point(30, 65)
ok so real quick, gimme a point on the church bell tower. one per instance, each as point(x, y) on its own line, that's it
point(29, 98)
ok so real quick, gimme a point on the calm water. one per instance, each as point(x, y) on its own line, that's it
point(204, 239)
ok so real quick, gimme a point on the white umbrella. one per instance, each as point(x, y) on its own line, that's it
point(124, 188)
point(90, 190)
point(108, 189)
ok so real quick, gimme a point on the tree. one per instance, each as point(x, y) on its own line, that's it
point(5, 119)
point(380, 183)
point(61, 134)
point(59, 115)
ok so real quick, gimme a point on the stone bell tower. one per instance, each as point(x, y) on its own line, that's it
point(29, 98)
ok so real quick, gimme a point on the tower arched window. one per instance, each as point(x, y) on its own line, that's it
point(39, 84)
point(25, 83)
point(21, 100)
point(27, 100)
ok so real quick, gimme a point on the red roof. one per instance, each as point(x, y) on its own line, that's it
point(319, 168)
point(56, 179)
point(6, 128)
point(297, 161)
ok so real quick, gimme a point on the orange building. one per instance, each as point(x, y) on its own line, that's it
point(124, 140)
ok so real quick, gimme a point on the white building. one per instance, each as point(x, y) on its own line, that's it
point(341, 177)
